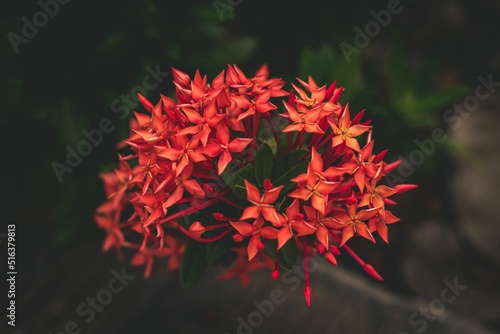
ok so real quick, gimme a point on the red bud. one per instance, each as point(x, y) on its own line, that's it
point(307, 294)
point(392, 166)
point(268, 185)
point(145, 102)
point(237, 237)
point(321, 249)
point(334, 250)
point(330, 90)
point(329, 256)
point(208, 188)
point(291, 98)
point(372, 272)
point(197, 229)
point(380, 156)
point(358, 117)
point(336, 94)
point(401, 188)
point(218, 216)
point(351, 201)
point(275, 274)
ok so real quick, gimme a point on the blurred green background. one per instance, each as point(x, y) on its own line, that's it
point(90, 56)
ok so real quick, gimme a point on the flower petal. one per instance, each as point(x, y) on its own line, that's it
point(283, 236)
point(245, 229)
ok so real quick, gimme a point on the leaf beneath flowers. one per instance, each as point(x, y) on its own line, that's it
point(287, 167)
point(235, 180)
point(193, 264)
point(263, 163)
point(288, 253)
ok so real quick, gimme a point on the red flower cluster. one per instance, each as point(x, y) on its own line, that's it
point(200, 171)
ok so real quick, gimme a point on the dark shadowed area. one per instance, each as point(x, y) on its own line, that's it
point(427, 73)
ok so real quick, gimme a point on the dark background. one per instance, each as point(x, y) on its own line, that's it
point(65, 79)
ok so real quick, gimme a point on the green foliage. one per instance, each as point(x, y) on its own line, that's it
point(401, 97)
point(235, 179)
point(216, 250)
point(414, 98)
point(326, 65)
point(263, 165)
point(194, 263)
point(287, 253)
point(294, 164)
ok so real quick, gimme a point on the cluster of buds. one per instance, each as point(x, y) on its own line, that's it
point(254, 171)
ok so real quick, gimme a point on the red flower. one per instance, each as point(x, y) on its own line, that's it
point(376, 194)
point(362, 165)
point(315, 185)
point(292, 220)
point(323, 223)
point(184, 152)
point(223, 147)
point(255, 231)
point(354, 221)
point(259, 103)
point(177, 163)
point(379, 223)
point(204, 121)
point(345, 131)
point(243, 267)
point(303, 119)
point(262, 205)
point(109, 221)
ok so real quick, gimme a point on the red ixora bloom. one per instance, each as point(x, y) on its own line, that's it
point(189, 174)
point(316, 184)
point(263, 205)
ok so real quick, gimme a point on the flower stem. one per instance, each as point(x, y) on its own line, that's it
point(188, 211)
point(307, 285)
point(207, 240)
point(228, 201)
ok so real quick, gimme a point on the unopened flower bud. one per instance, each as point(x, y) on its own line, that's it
point(208, 188)
point(330, 258)
point(334, 250)
point(275, 274)
point(218, 216)
point(197, 229)
point(307, 294)
point(372, 272)
point(351, 201)
point(321, 249)
point(401, 188)
point(237, 237)
point(268, 185)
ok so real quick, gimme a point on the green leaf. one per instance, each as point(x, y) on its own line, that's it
point(325, 66)
point(425, 110)
point(235, 179)
point(270, 247)
point(193, 263)
point(235, 50)
point(463, 153)
point(398, 73)
point(287, 167)
point(434, 101)
point(215, 250)
point(288, 253)
point(263, 166)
